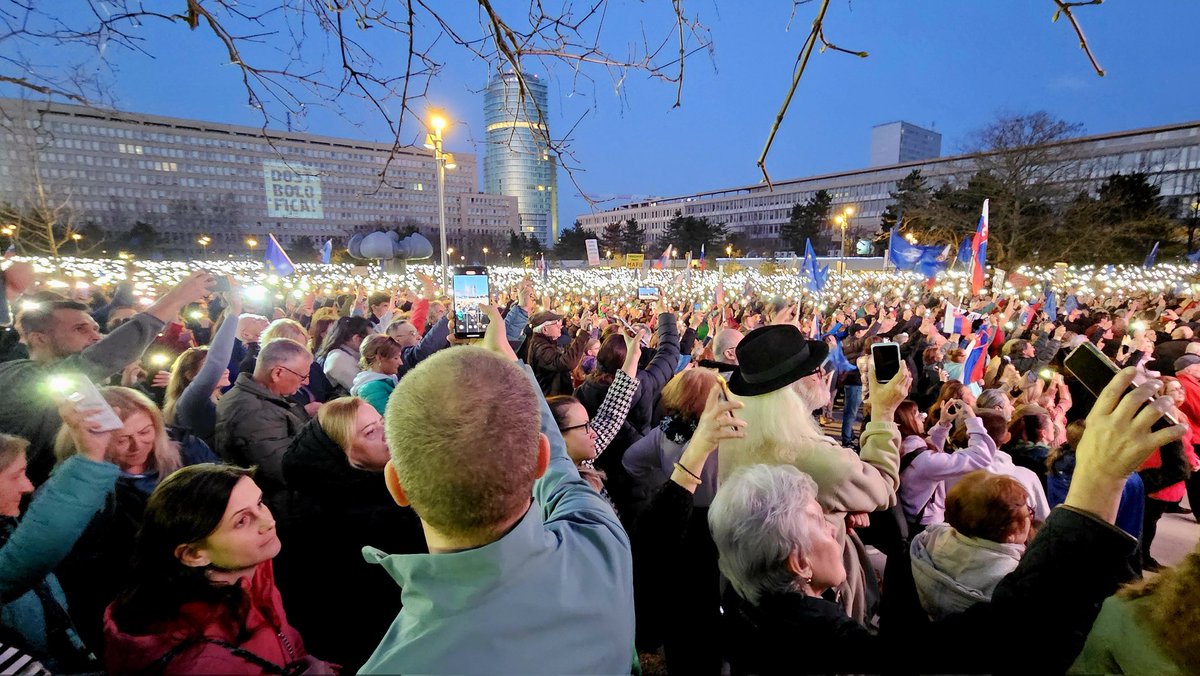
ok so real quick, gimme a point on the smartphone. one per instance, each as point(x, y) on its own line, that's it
point(648, 293)
point(83, 394)
point(1094, 371)
point(886, 357)
point(220, 284)
point(471, 289)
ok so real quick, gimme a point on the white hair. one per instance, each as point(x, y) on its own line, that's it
point(757, 521)
point(779, 426)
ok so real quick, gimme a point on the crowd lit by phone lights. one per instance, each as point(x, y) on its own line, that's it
point(577, 287)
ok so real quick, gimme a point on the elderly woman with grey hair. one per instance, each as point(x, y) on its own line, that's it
point(781, 558)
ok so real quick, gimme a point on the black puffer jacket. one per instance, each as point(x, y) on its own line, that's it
point(341, 604)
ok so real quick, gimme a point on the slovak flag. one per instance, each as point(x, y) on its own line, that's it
point(664, 259)
point(955, 320)
point(979, 252)
point(976, 364)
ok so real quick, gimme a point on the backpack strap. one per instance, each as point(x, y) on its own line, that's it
point(908, 459)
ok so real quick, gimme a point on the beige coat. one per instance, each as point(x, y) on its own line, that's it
point(846, 482)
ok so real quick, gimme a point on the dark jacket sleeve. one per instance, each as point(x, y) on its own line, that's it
point(547, 358)
point(1074, 563)
point(431, 342)
point(115, 351)
point(662, 368)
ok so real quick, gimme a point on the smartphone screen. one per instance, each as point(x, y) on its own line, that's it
point(1094, 371)
point(648, 293)
point(471, 289)
point(887, 361)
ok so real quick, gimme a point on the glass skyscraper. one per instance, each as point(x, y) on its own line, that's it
point(518, 162)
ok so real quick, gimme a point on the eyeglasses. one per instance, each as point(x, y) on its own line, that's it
point(302, 376)
point(587, 425)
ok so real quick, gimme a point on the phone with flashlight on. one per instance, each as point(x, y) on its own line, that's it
point(83, 394)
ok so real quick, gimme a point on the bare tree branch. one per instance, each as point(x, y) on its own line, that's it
point(1064, 9)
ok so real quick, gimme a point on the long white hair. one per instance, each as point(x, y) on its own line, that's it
point(778, 425)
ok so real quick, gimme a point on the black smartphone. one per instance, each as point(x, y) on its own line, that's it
point(886, 357)
point(471, 289)
point(1094, 371)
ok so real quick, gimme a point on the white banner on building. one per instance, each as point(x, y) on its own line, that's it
point(293, 190)
point(593, 251)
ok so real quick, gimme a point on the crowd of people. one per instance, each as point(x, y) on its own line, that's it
point(315, 475)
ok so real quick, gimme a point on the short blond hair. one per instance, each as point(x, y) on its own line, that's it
point(466, 455)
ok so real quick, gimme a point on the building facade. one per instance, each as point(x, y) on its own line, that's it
point(899, 142)
point(188, 178)
point(1169, 154)
point(519, 162)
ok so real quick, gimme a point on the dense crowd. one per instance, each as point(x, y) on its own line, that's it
point(312, 474)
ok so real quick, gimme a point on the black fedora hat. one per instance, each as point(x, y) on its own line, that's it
point(773, 357)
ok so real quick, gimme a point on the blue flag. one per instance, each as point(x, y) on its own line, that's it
point(1071, 304)
point(964, 252)
point(1051, 303)
point(1193, 257)
point(277, 259)
point(327, 251)
point(926, 260)
point(1151, 256)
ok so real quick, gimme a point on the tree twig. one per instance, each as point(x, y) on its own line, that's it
point(1064, 9)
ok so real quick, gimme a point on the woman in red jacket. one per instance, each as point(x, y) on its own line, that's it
point(204, 600)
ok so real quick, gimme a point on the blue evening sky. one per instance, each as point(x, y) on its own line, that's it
point(943, 63)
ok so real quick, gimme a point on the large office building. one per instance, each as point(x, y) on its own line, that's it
point(519, 162)
point(899, 142)
point(188, 178)
point(1169, 154)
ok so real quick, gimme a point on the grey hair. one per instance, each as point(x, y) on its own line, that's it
point(722, 340)
point(757, 520)
point(993, 399)
point(277, 353)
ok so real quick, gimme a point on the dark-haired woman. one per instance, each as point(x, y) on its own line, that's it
point(641, 412)
point(339, 353)
point(204, 600)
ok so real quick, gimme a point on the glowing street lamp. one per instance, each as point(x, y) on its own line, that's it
point(485, 253)
point(204, 241)
point(444, 161)
point(76, 237)
point(843, 220)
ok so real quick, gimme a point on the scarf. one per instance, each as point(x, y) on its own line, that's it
point(678, 430)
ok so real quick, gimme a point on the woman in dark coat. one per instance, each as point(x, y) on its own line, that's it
point(341, 604)
point(641, 413)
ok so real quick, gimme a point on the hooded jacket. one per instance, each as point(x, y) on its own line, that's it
point(180, 646)
point(340, 509)
point(375, 388)
point(953, 572)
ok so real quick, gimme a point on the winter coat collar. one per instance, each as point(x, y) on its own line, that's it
point(250, 386)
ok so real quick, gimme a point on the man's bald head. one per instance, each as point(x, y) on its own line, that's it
point(724, 345)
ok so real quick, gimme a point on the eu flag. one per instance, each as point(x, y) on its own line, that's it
point(277, 258)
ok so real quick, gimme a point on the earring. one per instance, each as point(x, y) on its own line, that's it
point(808, 581)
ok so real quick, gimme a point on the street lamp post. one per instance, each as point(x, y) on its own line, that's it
point(204, 241)
point(843, 220)
point(485, 253)
point(76, 237)
point(252, 243)
point(438, 123)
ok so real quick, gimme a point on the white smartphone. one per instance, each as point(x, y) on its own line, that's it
point(83, 394)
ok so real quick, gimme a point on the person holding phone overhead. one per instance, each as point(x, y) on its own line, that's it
point(780, 383)
point(63, 338)
point(552, 365)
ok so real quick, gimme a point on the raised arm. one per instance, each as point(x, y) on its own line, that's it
point(433, 340)
point(195, 396)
